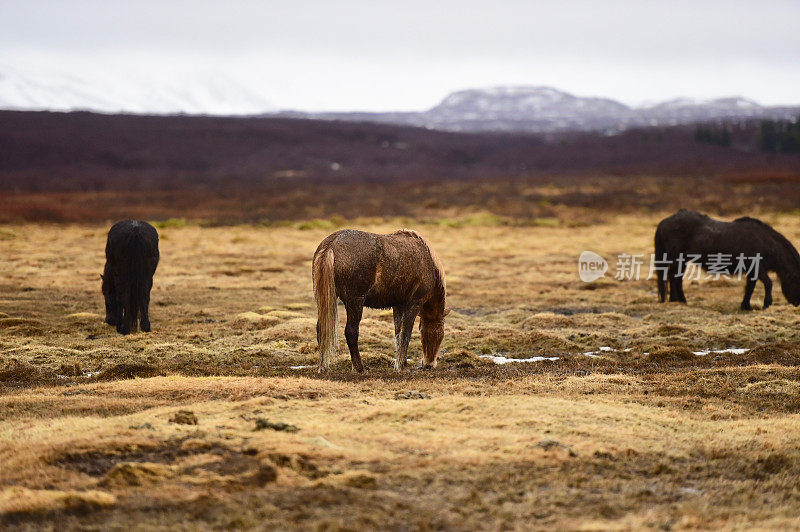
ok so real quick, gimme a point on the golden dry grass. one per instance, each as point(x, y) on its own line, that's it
point(645, 436)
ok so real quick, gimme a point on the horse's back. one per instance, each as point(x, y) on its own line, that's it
point(133, 241)
point(123, 232)
point(385, 270)
point(408, 270)
point(355, 260)
point(683, 222)
point(353, 250)
point(693, 233)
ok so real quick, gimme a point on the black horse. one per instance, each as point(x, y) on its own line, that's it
point(131, 260)
point(695, 237)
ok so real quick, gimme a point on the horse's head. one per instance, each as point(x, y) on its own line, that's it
point(431, 326)
point(787, 267)
point(790, 286)
point(789, 274)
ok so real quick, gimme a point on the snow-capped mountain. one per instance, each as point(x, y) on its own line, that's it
point(26, 89)
point(683, 110)
point(542, 109)
point(529, 108)
point(545, 109)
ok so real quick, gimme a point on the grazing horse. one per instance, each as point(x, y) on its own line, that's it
point(690, 233)
point(131, 260)
point(398, 271)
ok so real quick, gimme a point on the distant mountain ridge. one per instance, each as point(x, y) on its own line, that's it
point(532, 109)
point(545, 109)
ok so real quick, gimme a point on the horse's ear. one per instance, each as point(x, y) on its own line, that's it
point(446, 312)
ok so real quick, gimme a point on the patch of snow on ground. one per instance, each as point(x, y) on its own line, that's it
point(85, 375)
point(604, 349)
point(499, 359)
point(731, 350)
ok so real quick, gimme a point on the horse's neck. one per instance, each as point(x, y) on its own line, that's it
point(438, 298)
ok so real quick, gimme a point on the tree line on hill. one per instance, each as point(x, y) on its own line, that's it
point(780, 136)
point(774, 136)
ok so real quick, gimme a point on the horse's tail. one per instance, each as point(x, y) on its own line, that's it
point(327, 314)
point(661, 276)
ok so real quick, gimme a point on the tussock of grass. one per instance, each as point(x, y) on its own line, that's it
point(84, 316)
point(137, 474)
point(127, 370)
point(774, 353)
point(17, 500)
point(23, 372)
point(253, 320)
point(670, 355)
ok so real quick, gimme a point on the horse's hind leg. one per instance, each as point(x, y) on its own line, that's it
point(675, 286)
point(119, 314)
point(108, 295)
point(662, 286)
point(748, 292)
point(354, 312)
point(144, 312)
point(681, 295)
point(763, 276)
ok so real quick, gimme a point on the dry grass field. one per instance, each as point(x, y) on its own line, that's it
point(95, 433)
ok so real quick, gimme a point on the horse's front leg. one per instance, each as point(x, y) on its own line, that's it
point(397, 314)
point(407, 316)
point(109, 295)
point(763, 276)
point(354, 312)
point(748, 292)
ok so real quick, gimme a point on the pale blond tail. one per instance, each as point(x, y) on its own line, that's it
point(327, 314)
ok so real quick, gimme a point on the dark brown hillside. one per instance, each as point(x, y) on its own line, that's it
point(86, 166)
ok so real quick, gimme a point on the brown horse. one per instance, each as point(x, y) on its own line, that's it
point(398, 271)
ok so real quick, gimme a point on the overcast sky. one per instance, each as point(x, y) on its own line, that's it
point(372, 55)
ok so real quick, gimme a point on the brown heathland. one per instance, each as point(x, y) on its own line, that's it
point(214, 419)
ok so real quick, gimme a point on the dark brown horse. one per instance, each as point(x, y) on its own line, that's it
point(398, 271)
point(131, 260)
point(689, 233)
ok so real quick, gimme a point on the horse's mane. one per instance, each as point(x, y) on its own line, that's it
point(779, 238)
point(437, 264)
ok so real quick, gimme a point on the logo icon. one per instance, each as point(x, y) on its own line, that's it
point(591, 266)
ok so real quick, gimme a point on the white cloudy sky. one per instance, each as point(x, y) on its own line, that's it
point(373, 55)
